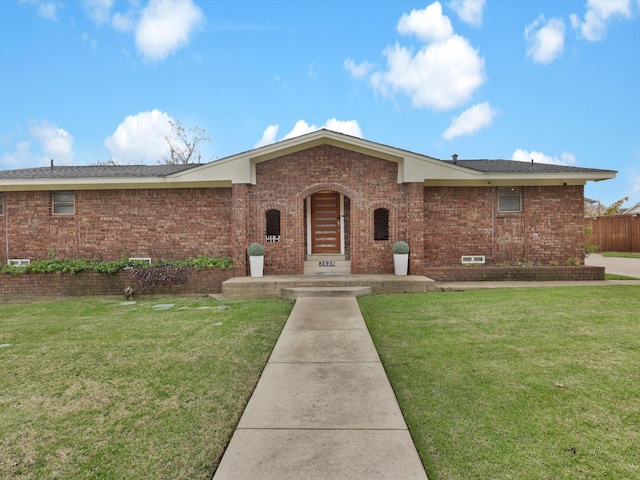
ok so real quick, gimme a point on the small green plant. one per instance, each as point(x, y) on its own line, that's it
point(255, 250)
point(400, 248)
point(589, 247)
point(572, 262)
point(71, 265)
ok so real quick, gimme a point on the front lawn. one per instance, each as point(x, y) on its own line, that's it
point(94, 389)
point(516, 383)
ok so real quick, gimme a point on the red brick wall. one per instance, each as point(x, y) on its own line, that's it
point(367, 183)
point(465, 221)
point(167, 223)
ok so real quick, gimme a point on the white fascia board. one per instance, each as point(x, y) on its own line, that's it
point(235, 169)
point(548, 179)
point(101, 184)
point(422, 169)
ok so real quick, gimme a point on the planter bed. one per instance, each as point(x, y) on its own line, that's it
point(203, 281)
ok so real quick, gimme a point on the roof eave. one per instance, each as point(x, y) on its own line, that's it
point(103, 183)
point(510, 179)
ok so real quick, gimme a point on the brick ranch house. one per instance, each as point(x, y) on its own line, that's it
point(323, 195)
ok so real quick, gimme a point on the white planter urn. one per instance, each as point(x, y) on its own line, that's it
point(400, 263)
point(256, 263)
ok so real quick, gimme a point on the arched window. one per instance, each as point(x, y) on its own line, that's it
point(381, 224)
point(273, 225)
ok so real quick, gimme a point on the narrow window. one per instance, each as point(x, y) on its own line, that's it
point(64, 203)
point(381, 224)
point(1, 205)
point(509, 199)
point(273, 225)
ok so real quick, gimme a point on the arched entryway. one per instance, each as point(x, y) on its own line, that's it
point(327, 214)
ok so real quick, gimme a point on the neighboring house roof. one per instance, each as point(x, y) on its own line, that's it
point(635, 210)
point(240, 168)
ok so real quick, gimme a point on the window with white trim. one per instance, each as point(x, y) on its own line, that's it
point(509, 199)
point(64, 203)
point(272, 218)
point(381, 224)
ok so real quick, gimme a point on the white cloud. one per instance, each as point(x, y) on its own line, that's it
point(428, 24)
point(44, 142)
point(471, 120)
point(56, 142)
point(268, 136)
point(469, 11)
point(124, 22)
point(141, 138)
point(440, 75)
point(360, 70)
point(348, 127)
point(545, 40)
point(566, 158)
point(166, 26)
point(46, 9)
point(99, 10)
point(599, 13)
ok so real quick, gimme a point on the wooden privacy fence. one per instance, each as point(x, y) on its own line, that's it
point(614, 233)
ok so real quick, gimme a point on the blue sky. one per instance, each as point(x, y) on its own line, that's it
point(556, 81)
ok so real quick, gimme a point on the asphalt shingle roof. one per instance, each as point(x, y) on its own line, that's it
point(94, 171)
point(513, 166)
point(140, 171)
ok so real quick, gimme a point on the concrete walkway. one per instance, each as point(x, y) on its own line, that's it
point(323, 407)
point(615, 265)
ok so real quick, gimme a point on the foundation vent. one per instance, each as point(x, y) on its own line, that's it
point(473, 259)
point(141, 259)
point(19, 262)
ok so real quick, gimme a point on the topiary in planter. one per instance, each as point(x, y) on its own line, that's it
point(401, 248)
point(255, 250)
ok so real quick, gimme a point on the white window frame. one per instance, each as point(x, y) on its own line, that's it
point(57, 204)
point(509, 194)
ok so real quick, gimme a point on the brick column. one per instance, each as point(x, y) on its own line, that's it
point(239, 216)
point(415, 219)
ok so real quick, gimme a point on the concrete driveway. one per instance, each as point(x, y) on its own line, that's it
point(614, 265)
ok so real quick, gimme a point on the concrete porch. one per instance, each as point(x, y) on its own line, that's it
point(292, 286)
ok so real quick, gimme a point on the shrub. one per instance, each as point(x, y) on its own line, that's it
point(255, 250)
point(400, 248)
point(56, 265)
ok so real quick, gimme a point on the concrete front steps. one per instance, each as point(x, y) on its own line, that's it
point(295, 286)
point(293, 293)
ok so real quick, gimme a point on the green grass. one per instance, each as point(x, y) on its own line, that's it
point(92, 389)
point(621, 254)
point(615, 276)
point(516, 383)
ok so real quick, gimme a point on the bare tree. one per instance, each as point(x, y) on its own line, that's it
point(107, 161)
point(597, 209)
point(184, 144)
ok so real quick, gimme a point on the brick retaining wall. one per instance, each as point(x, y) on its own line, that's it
point(496, 274)
point(208, 280)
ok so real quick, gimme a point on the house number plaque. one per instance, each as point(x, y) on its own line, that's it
point(326, 263)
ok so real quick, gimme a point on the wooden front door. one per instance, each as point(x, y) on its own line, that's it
point(325, 222)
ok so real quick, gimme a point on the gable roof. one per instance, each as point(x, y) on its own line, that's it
point(240, 168)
